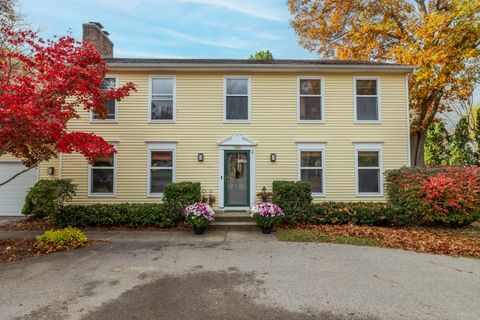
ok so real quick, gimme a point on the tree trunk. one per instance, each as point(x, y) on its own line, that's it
point(417, 145)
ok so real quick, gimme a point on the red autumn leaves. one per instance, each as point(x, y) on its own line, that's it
point(42, 86)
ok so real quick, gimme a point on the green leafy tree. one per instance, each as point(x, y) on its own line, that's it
point(261, 55)
point(436, 146)
point(461, 149)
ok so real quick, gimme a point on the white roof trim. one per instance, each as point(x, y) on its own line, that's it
point(237, 139)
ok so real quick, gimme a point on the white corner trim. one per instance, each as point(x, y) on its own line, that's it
point(378, 96)
point(408, 121)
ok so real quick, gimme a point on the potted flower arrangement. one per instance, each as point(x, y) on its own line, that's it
point(267, 215)
point(199, 215)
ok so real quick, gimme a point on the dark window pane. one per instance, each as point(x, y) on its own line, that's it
point(314, 176)
point(102, 181)
point(369, 180)
point(162, 86)
point(237, 108)
point(366, 87)
point(311, 159)
point(368, 158)
point(104, 161)
point(161, 159)
point(162, 110)
point(108, 83)
point(237, 86)
point(310, 108)
point(310, 86)
point(367, 108)
point(159, 179)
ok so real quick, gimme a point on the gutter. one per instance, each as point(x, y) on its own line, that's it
point(138, 66)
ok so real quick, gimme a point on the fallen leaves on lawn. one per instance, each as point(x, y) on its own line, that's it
point(415, 238)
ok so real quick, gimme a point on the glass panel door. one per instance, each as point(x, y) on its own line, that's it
point(237, 178)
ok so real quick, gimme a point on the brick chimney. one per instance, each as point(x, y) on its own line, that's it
point(94, 33)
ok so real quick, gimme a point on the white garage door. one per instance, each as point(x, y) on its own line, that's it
point(13, 193)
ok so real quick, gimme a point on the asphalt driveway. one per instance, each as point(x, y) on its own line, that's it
point(226, 277)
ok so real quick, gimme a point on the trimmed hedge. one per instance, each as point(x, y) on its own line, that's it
point(123, 214)
point(435, 195)
point(295, 199)
point(358, 213)
point(179, 195)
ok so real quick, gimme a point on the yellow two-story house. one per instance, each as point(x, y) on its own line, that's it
point(237, 125)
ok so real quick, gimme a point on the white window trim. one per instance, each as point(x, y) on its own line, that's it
point(312, 147)
point(115, 120)
point(369, 147)
point(104, 194)
point(378, 96)
point(174, 96)
point(249, 95)
point(322, 95)
point(160, 147)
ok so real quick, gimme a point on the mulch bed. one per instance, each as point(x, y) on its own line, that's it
point(18, 249)
point(34, 224)
point(454, 242)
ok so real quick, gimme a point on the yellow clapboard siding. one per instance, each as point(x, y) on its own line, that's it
point(199, 126)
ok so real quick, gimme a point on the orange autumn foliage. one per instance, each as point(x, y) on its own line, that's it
point(440, 37)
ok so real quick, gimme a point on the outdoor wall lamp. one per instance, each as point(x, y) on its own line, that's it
point(50, 170)
point(273, 157)
point(200, 156)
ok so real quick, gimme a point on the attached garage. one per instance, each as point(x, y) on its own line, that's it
point(13, 193)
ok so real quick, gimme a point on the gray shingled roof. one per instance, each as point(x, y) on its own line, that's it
point(246, 61)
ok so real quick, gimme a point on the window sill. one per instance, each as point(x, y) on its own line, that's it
point(155, 195)
point(103, 121)
point(318, 195)
point(367, 122)
point(102, 195)
point(367, 195)
point(161, 121)
point(237, 121)
point(310, 121)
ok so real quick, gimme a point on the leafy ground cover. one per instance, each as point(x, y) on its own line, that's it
point(37, 224)
point(18, 249)
point(464, 242)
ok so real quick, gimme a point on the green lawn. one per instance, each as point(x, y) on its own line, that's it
point(299, 235)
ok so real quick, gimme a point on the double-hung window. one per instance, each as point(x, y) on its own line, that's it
point(311, 166)
point(161, 167)
point(111, 106)
point(102, 175)
point(309, 93)
point(369, 169)
point(237, 99)
point(367, 99)
point(162, 99)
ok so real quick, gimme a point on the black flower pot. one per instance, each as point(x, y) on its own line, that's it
point(267, 230)
point(199, 230)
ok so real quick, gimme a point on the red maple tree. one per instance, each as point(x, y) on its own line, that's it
point(42, 86)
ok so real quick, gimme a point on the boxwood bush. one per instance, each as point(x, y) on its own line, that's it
point(62, 239)
point(435, 195)
point(123, 214)
point(181, 194)
point(295, 199)
point(358, 213)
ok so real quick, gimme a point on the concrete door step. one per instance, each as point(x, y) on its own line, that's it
point(234, 225)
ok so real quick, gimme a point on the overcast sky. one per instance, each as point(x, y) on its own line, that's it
point(176, 28)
